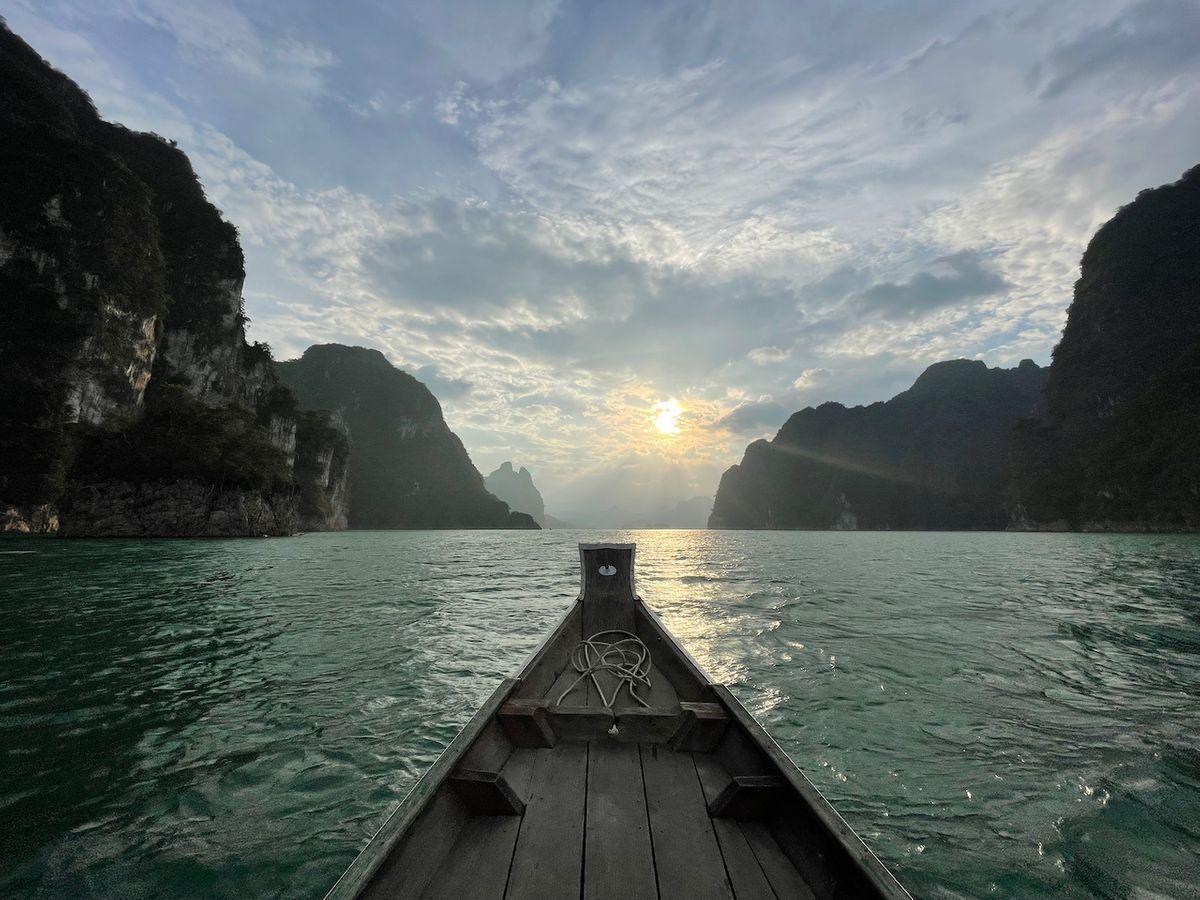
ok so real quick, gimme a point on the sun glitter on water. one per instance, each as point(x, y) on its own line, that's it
point(666, 416)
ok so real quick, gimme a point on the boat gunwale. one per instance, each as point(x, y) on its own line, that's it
point(385, 839)
point(838, 828)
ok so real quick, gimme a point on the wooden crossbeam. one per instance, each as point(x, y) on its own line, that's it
point(486, 793)
point(526, 723)
point(748, 797)
point(701, 726)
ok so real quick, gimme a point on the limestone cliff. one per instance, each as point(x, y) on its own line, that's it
point(407, 468)
point(128, 384)
point(1119, 445)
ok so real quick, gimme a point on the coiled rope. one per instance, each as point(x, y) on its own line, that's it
point(627, 659)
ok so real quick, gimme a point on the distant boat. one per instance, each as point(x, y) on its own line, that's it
point(614, 768)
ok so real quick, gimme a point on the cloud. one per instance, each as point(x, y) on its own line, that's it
point(454, 104)
point(220, 35)
point(443, 388)
point(763, 356)
point(755, 417)
point(1144, 41)
point(810, 378)
point(948, 281)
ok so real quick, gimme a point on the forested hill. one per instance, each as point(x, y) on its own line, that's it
point(934, 456)
point(407, 468)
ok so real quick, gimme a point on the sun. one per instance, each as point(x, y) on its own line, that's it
point(666, 416)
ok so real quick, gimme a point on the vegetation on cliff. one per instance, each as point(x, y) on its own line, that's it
point(407, 469)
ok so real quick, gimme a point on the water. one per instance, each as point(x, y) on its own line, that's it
point(997, 715)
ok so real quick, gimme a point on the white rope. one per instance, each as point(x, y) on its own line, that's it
point(626, 659)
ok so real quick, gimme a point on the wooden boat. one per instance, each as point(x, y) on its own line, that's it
point(670, 790)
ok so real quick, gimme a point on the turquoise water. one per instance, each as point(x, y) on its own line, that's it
point(997, 715)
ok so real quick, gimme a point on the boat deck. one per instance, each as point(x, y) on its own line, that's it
point(605, 819)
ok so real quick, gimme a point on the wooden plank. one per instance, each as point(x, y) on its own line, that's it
point(489, 751)
point(662, 693)
point(549, 852)
point(745, 873)
point(370, 860)
point(619, 861)
point(686, 854)
point(785, 879)
point(638, 725)
point(519, 772)
point(478, 864)
point(577, 695)
point(857, 867)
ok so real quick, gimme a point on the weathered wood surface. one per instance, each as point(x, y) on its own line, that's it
point(636, 725)
point(549, 852)
point(783, 875)
point(686, 854)
point(406, 872)
point(701, 728)
point(619, 859)
point(526, 723)
point(745, 873)
point(477, 865)
point(607, 588)
point(750, 797)
point(689, 680)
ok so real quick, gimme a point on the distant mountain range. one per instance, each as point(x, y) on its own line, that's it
point(131, 403)
point(1106, 439)
point(692, 513)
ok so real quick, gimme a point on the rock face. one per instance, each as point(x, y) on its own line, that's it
point(516, 488)
point(933, 457)
point(323, 472)
point(179, 509)
point(1119, 445)
point(129, 389)
point(407, 468)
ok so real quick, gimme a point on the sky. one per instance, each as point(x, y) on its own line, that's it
point(620, 241)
